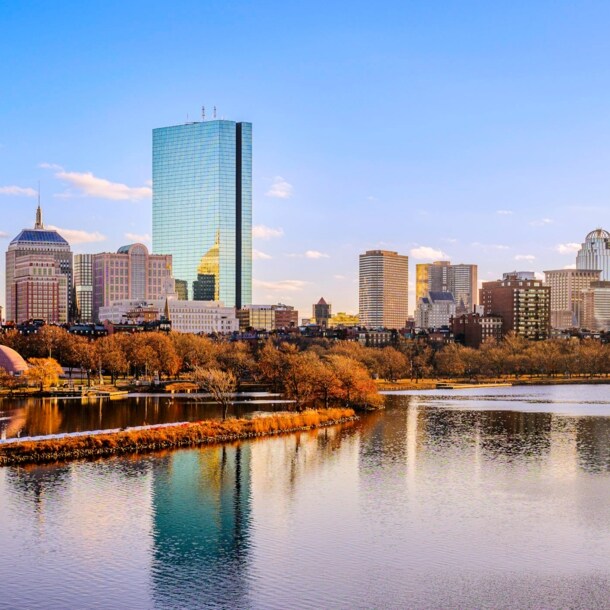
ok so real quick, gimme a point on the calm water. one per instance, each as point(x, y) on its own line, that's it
point(44, 416)
point(491, 499)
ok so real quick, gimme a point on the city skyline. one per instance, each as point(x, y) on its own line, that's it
point(463, 139)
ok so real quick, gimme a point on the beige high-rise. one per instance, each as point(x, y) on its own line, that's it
point(567, 287)
point(384, 289)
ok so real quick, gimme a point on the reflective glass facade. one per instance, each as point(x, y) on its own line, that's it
point(202, 207)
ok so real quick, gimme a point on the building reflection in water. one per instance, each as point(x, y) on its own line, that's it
point(201, 507)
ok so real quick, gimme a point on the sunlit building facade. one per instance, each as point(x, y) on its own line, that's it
point(441, 276)
point(567, 287)
point(595, 253)
point(130, 273)
point(202, 207)
point(384, 289)
point(596, 306)
point(38, 275)
point(83, 287)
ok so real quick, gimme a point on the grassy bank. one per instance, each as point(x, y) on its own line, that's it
point(430, 384)
point(153, 439)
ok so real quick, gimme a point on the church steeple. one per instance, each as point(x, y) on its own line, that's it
point(39, 224)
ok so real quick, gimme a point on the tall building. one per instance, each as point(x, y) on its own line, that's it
point(202, 207)
point(130, 274)
point(566, 294)
point(595, 253)
point(596, 306)
point(83, 287)
point(322, 313)
point(40, 286)
point(441, 276)
point(384, 289)
point(523, 304)
point(435, 310)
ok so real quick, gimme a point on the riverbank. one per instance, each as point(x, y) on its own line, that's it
point(431, 384)
point(166, 437)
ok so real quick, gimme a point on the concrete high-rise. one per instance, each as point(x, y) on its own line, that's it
point(595, 253)
point(567, 287)
point(322, 312)
point(202, 207)
point(384, 289)
point(523, 304)
point(83, 287)
point(441, 276)
point(131, 273)
point(38, 275)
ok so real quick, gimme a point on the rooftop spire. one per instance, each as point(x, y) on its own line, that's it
point(39, 224)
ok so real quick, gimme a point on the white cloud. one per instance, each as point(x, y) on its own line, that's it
point(541, 222)
point(85, 184)
point(426, 253)
point(504, 212)
point(525, 257)
point(280, 285)
point(263, 232)
point(138, 237)
point(18, 191)
point(338, 276)
point(450, 240)
point(280, 189)
point(315, 254)
point(569, 248)
point(572, 266)
point(78, 236)
point(3, 235)
point(257, 255)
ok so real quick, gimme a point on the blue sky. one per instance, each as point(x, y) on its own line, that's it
point(477, 130)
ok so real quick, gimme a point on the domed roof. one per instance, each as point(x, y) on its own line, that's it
point(11, 361)
point(598, 234)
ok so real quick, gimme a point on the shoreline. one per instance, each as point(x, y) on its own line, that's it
point(180, 435)
point(430, 384)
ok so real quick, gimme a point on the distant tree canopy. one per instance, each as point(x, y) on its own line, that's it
point(317, 371)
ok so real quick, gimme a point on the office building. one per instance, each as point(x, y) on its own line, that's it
point(39, 290)
point(202, 207)
point(595, 253)
point(321, 313)
point(83, 288)
point(384, 289)
point(596, 306)
point(523, 304)
point(441, 276)
point(131, 273)
point(435, 310)
point(39, 286)
point(185, 316)
point(566, 294)
point(268, 317)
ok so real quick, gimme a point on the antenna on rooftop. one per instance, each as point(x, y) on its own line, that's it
point(203, 113)
point(214, 111)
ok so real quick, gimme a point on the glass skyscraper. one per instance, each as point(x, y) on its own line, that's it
point(202, 207)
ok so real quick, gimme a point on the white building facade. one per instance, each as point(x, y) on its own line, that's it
point(595, 253)
point(196, 317)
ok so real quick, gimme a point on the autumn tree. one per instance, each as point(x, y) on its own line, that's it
point(220, 384)
point(44, 371)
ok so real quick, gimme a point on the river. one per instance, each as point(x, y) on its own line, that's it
point(491, 498)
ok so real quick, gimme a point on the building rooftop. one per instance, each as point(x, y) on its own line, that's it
point(598, 234)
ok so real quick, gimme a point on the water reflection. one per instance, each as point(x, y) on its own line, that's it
point(43, 416)
point(201, 505)
point(419, 506)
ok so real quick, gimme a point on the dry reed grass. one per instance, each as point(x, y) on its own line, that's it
point(153, 439)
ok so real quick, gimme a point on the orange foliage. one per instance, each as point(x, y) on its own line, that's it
point(179, 435)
